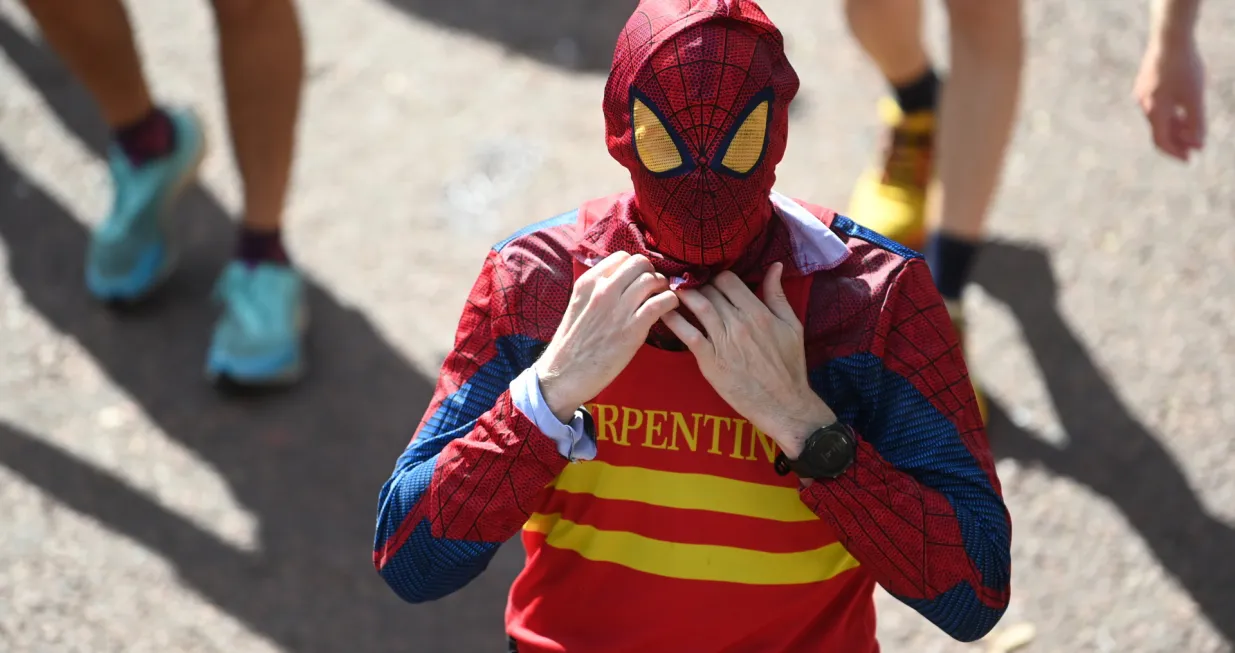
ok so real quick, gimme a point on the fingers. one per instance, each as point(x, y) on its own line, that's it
point(704, 309)
point(1159, 115)
point(1181, 138)
point(655, 308)
point(584, 286)
point(1158, 118)
point(616, 271)
point(629, 270)
point(774, 295)
point(723, 307)
point(607, 266)
point(1192, 123)
point(644, 286)
point(693, 338)
point(736, 292)
point(586, 282)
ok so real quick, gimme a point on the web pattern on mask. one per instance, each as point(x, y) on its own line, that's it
point(700, 81)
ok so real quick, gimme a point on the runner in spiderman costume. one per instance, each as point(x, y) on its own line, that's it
point(718, 416)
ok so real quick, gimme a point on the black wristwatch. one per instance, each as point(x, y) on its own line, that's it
point(827, 453)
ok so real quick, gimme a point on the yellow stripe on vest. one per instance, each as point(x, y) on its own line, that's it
point(692, 561)
point(684, 491)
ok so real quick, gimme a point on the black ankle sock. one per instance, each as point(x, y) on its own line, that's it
point(921, 94)
point(950, 260)
point(255, 247)
point(151, 137)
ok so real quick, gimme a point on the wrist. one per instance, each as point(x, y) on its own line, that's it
point(809, 415)
point(552, 389)
point(1173, 37)
point(1174, 23)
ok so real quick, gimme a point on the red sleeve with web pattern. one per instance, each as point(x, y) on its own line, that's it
point(469, 478)
point(921, 507)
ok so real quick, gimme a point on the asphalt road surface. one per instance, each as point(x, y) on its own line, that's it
point(140, 511)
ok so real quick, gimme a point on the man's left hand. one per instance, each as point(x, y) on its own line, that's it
point(753, 355)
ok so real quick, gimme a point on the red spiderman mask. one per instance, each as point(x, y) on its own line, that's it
point(696, 108)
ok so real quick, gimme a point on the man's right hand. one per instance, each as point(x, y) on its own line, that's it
point(612, 308)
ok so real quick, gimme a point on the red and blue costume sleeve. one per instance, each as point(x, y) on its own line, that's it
point(921, 507)
point(465, 483)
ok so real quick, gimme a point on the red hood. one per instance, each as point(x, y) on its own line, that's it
point(696, 108)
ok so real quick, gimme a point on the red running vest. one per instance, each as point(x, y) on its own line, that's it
point(680, 536)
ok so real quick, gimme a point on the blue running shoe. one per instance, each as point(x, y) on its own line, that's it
point(133, 251)
point(259, 339)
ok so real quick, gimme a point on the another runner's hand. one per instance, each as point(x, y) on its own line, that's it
point(752, 354)
point(612, 308)
point(1171, 91)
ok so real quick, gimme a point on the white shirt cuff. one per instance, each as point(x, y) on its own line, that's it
point(571, 439)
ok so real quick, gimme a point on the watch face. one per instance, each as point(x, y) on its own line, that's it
point(832, 452)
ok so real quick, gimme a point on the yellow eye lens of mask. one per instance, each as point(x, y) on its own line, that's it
point(747, 145)
point(655, 147)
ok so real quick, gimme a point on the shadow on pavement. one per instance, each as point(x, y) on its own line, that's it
point(308, 464)
point(573, 35)
point(1108, 449)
